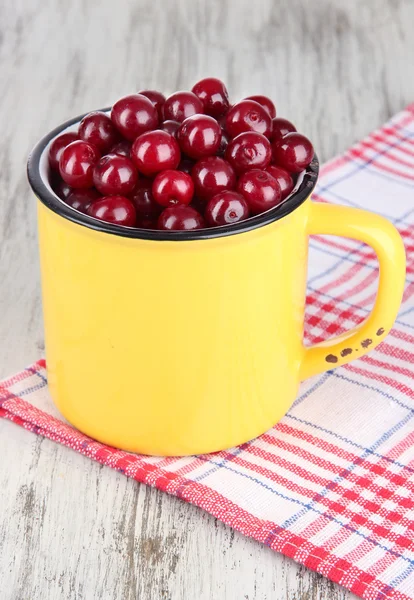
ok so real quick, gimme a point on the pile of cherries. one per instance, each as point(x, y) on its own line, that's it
point(185, 162)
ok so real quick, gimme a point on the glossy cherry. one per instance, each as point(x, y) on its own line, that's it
point(199, 136)
point(293, 152)
point(226, 208)
point(60, 187)
point(57, 147)
point(113, 209)
point(156, 98)
point(249, 150)
point(266, 103)
point(181, 105)
point(212, 175)
point(214, 96)
point(180, 218)
point(260, 190)
point(76, 164)
point(186, 165)
point(115, 175)
point(97, 129)
point(173, 187)
point(143, 200)
point(82, 199)
point(122, 148)
point(170, 127)
point(133, 115)
point(248, 115)
point(281, 127)
point(155, 151)
point(283, 178)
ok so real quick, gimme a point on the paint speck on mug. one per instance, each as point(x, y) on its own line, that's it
point(366, 343)
point(346, 352)
point(331, 358)
point(381, 331)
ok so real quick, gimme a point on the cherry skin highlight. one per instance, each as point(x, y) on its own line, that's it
point(180, 218)
point(260, 190)
point(214, 96)
point(248, 115)
point(113, 209)
point(199, 136)
point(212, 175)
point(115, 175)
point(293, 152)
point(155, 151)
point(57, 147)
point(226, 208)
point(97, 129)
point(173, 187)
point(76, 164)
point(133, 115)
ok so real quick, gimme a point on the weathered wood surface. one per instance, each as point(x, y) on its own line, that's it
point(68, 527)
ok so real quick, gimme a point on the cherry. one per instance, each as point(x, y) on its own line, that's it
point(214, 96)
point(146, 223)
point(224, 142)
point(156, 98)
point(199, 136)
point(143, 200)
point(60, 187)
point(115, 175)
point(82, 199)
point(76, 164)
point(172, 187)
point(133, 115)
point(170, 127)
point(181, 105)
point(113, 209)
point(121, 149)
point(281, 127)
point(57, 147)
point(283, 178)
point(155, 151)
point(248, 115)
point(97, 129)
point(293, 152)
point(180, 218)
point(266, 103)
point(226, 208)
point(186, 165)
point(260, 190)
point(249, 150)
point(212, 175)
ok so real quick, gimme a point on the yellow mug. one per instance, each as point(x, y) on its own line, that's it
point(177, 343)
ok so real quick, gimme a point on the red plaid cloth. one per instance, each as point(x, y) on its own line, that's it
point(332, 484)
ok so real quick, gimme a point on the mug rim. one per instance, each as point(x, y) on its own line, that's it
point(58, 206)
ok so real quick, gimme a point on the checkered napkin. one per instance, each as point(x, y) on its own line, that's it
point(332, 484)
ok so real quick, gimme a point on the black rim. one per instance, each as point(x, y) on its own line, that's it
point(57, 205)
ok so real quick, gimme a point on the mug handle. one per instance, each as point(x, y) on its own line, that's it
point(383, 237)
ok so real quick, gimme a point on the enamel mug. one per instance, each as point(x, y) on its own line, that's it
point(188, 342)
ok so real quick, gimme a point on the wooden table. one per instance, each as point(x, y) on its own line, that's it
point(70, 528)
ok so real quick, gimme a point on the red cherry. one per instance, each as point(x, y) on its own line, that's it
point(214, 96)
point(97, 129)
point(199, 136)
point(293, 152)
point(212, 175)
point(156, 98)
point(248, 115)
point(266, 103)
point(181, 105)
point(226, 208)
point(76, 164)
point(155, 151)
point(146, 223)
point(186, 165)
point(121, 149)
point(281, 127)
point(113, 209)
point(170, 127)
point(172, 187)
point(133, 115)
point(57, 147)
point(60, 187)
point(115, 175)
point(180, 218)
point(283, 178)
point(82, 199)
point(260, 190)
point(249, 150)
point(224, 142)
point(143, 200)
